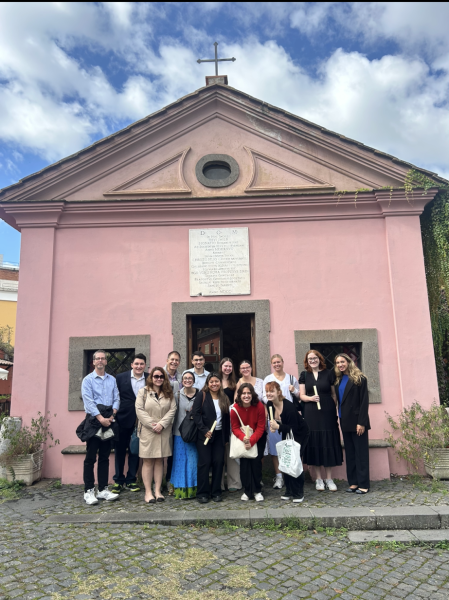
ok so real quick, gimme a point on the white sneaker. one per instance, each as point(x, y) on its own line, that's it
point(319, 485)
point(244, 497)
point(107, 495)
point(286, 497)
point(279, 483)
point(298, 500)
point(90, 497)
point(331, 485)
point(258, 497)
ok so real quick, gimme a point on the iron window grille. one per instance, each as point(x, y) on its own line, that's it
point(119, 360)
point(330, 351)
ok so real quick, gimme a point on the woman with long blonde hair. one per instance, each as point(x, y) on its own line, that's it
point(352, 392)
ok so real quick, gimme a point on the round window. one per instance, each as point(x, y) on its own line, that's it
point(217, 170)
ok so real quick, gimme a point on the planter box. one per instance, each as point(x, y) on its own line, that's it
point(26, 468)
point(13, 423)
point(440, 470)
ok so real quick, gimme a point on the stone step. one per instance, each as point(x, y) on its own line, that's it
point(431, 536)
point(356, 519)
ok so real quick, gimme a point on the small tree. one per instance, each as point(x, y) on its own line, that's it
point(27, 440)
point(417, 432)
point(6, 332)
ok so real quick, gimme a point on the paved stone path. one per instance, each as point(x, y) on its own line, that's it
point(45, 499)
point(78, 562)
point(134, 561)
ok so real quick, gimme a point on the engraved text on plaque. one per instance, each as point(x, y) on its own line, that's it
point(219, 262)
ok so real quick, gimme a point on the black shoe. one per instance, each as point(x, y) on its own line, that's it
point(217, 499)
point(351, 490)
point(359, 491)
point(203, 500)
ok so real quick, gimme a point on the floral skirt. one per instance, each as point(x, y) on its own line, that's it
point(185, 467)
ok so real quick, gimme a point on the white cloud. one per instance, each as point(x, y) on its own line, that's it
point(55, 100)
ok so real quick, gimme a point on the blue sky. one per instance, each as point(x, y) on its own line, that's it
point(72, 73)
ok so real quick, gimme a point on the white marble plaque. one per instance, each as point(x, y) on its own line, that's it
point(219, 262)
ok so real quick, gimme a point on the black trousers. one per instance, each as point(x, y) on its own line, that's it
point(357, 458)
point(251, 470)
point(94, 445)
point(120, 447)
point(294, 486)
point(169, 468)
point(209, 456)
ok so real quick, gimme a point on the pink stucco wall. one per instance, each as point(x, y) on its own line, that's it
point(355, 273)
point(99, 262)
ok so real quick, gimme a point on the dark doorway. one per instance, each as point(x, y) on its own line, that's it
point(222, 335)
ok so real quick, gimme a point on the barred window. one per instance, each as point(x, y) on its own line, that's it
point(329, 351)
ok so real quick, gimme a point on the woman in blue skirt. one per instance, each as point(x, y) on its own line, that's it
point(185, 456)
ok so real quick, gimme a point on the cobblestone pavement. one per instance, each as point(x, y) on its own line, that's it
point(45, 499)
point(84, 562)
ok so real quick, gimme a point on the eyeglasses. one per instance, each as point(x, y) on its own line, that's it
point(99, 358)
point(158, 377)
point(313, 359)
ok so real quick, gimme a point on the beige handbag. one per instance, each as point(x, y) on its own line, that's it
point(237, 447)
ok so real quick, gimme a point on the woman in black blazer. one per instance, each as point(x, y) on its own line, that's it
point(352, 393)
point(286, 419)
point(212, 406)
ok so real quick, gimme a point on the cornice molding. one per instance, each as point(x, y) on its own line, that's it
point(254, 111)
point(220, 210)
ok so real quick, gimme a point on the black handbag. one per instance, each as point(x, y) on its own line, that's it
point(188, 429)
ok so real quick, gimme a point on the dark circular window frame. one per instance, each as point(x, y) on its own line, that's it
point(217, 158)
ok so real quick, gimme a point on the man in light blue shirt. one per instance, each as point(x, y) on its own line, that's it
point(99, 388)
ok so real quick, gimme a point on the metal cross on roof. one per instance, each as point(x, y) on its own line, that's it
point(216, 60)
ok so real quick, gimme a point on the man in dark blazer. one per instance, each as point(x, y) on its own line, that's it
point(129, 383)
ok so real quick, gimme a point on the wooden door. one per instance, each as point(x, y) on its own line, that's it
point(253, 344)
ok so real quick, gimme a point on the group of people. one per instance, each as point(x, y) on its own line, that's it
point(144, 415)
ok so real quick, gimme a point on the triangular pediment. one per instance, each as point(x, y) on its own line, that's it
point(276, 152)
point(164, 178)
point(272, 175)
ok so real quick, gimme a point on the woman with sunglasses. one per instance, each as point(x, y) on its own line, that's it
point(156, 409)
point(185, 456)
point(211, 416)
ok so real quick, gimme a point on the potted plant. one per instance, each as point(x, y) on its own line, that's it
point(420, 436)
point(22, 453)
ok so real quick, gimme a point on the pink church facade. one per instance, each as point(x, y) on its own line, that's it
point(105, 257)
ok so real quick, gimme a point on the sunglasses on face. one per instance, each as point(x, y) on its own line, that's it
point(158, 377)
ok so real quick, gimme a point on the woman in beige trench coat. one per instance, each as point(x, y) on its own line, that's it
point(156, 409)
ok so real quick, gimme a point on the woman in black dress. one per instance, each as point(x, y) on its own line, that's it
point(353, 402)
point(324, 447)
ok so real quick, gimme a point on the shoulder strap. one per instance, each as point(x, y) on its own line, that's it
point(236, 411)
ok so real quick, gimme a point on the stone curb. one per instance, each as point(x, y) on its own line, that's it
point(402, 535)
point(356, 519)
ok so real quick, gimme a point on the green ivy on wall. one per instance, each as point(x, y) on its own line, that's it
point(435, 236)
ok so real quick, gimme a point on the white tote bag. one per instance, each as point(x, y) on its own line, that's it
point(237, 448)
point(289, 456)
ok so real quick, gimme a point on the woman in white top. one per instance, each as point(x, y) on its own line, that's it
point(290, 390)
point(246, 372)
